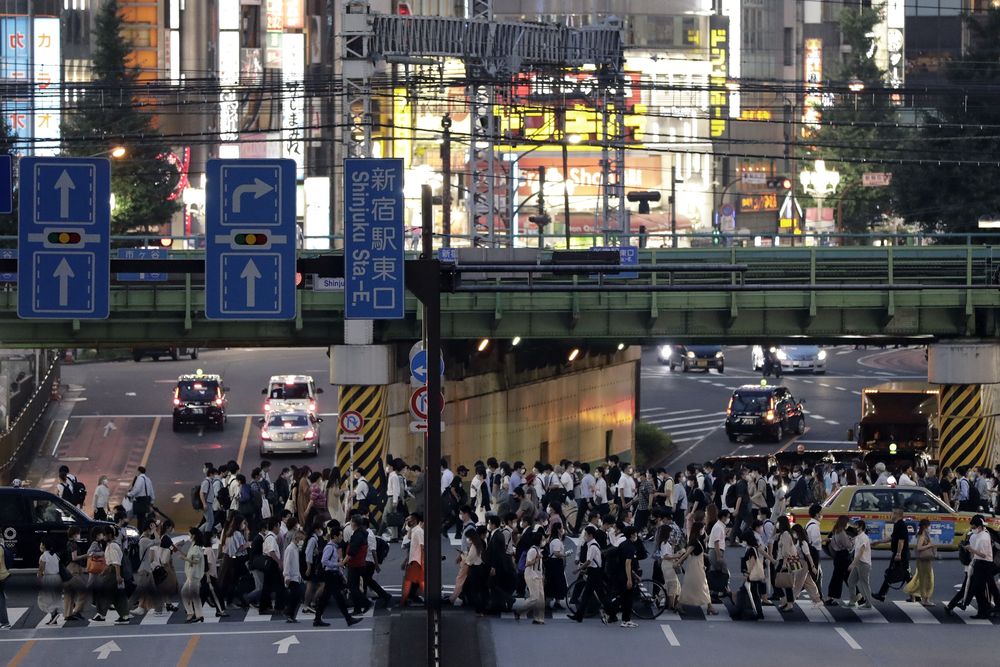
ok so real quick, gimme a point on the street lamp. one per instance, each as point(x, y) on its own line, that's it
point(820, 183)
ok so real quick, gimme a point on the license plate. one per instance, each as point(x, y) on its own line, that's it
point(197, 411)
point(747, 420)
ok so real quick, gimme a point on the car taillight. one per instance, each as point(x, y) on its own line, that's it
point(312, 407)
point(310, 434)
point(265, 435)
point(218, 402)
point(769, 416)
point(267, 406)
point(177, 401)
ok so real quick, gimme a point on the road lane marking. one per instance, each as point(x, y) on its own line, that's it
point(856, 393)
point(840, 388)
point(222, 633)
point(188, 651)
point(688, 450)
point(668, 632)
point(243, 442)
point(62, 431)
point(848, 638)
point(918, 613)
point(22, 652)
point(149, 441)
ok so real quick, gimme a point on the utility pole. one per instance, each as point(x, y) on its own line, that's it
point(446, 174)
point(542, 218)
point(673, 203)
point(565, 173)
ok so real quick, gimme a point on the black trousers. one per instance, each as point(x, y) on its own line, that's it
point(625, 596)
point(582, 507)
point(333, 586)
point(293, 598)
point(596, 584)
point(371, 585)
point(841, 561)
point(982, 585)
point(355, 575)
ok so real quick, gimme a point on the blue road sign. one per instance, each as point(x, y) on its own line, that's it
point(448, 255)
point(142, 253)
point(6, 184)
point(64, 238)
point(250, 236)
point(629, 256)
point(418, 367)
point(8, 253)
point(373, 215)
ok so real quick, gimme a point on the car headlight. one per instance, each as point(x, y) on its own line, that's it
point(782, 355)
point(690, 355)
point(665, 351)
point(718, 355)
point(822, 355)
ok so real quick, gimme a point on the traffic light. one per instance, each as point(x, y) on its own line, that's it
point(63, 238)
point(716, 236)
point(780, 183)
point(251, 239)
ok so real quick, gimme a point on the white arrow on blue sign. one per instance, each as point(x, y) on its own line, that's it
point(250, 235)
point(418, 367)
point(64, 238)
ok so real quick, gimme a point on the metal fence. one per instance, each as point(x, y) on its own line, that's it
point(23, 432)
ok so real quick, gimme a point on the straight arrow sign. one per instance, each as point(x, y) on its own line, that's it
point(64, 184)
point(178, 497)
point(104, 650)
point(63, 273)
point(251, 274)
point(109, 427)
point(283, 644)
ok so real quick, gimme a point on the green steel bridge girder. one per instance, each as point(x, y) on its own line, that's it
point(145, 315)
point(893, 293)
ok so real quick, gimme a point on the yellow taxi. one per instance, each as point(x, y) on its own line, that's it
point(874, 504)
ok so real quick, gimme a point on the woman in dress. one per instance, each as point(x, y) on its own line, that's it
point(694, 590)
point(233, 548)
point(921, 586)
point(668, 564)
point(49, 583)
point(75, 590)
point(334, 494)
point(302, 492)
point(144, 597)
point(789, 561)
point(555, 566)
point(804, 578)
point(316, 507)
point(194, 572)
point(841, 546)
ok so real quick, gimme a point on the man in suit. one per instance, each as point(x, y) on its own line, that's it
point(499, 566)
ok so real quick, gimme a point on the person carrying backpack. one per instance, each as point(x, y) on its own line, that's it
point(71, 489)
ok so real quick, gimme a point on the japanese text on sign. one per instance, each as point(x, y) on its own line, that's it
point(374, 226)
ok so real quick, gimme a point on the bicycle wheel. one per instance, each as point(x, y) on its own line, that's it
point(649, 600)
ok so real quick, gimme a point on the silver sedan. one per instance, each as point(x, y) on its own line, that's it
point(290, 432)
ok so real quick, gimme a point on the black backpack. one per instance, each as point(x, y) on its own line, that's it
point(381, 550)
point(77, 490)
point(196, 503)
point(768, 495)
point(964, 557)
point(222, 496)
point(974, 497)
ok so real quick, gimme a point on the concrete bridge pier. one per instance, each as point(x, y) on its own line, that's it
point(969, 375)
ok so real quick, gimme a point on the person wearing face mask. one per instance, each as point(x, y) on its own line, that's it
point(292, 574)
point(110, 585)
point(194, 572)
point(982, 585)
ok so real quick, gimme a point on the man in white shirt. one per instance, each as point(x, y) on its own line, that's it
point(394, 497)
point(981, 583)
point(594, 565)
point(142, 495)
point(815, 536)
point(717, 545)
point(566, 478)
point(206, 493)
point(292, 573)
point(272, 570)
point(446, 476)
point(906, 477)
point(859, 579)
point(626, 487)
point(586, 497)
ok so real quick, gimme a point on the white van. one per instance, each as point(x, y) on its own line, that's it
point(289, 393)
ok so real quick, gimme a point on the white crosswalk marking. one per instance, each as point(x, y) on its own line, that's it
point(43, 622)
point(253, 616)
point(917, 613)
point(816, 613)
point(152, 618)
point(869, 615)
point(967, 615)
point(14, 614)
point(771, 614)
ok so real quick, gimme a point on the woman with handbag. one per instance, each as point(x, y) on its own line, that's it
point(74, 588)
point(921, 587)
point(694, 590)
point(144, 596)
point(233, 548)
point(166, 577)
point(789, 563)
point(805, 577)
point(668, 565)
point(839, 545)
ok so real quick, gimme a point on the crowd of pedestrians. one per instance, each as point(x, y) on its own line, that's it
point(527, 540)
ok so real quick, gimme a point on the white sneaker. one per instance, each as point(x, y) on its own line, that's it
point(628, 624)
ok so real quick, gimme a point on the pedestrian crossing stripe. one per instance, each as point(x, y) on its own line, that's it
point(913, 613)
